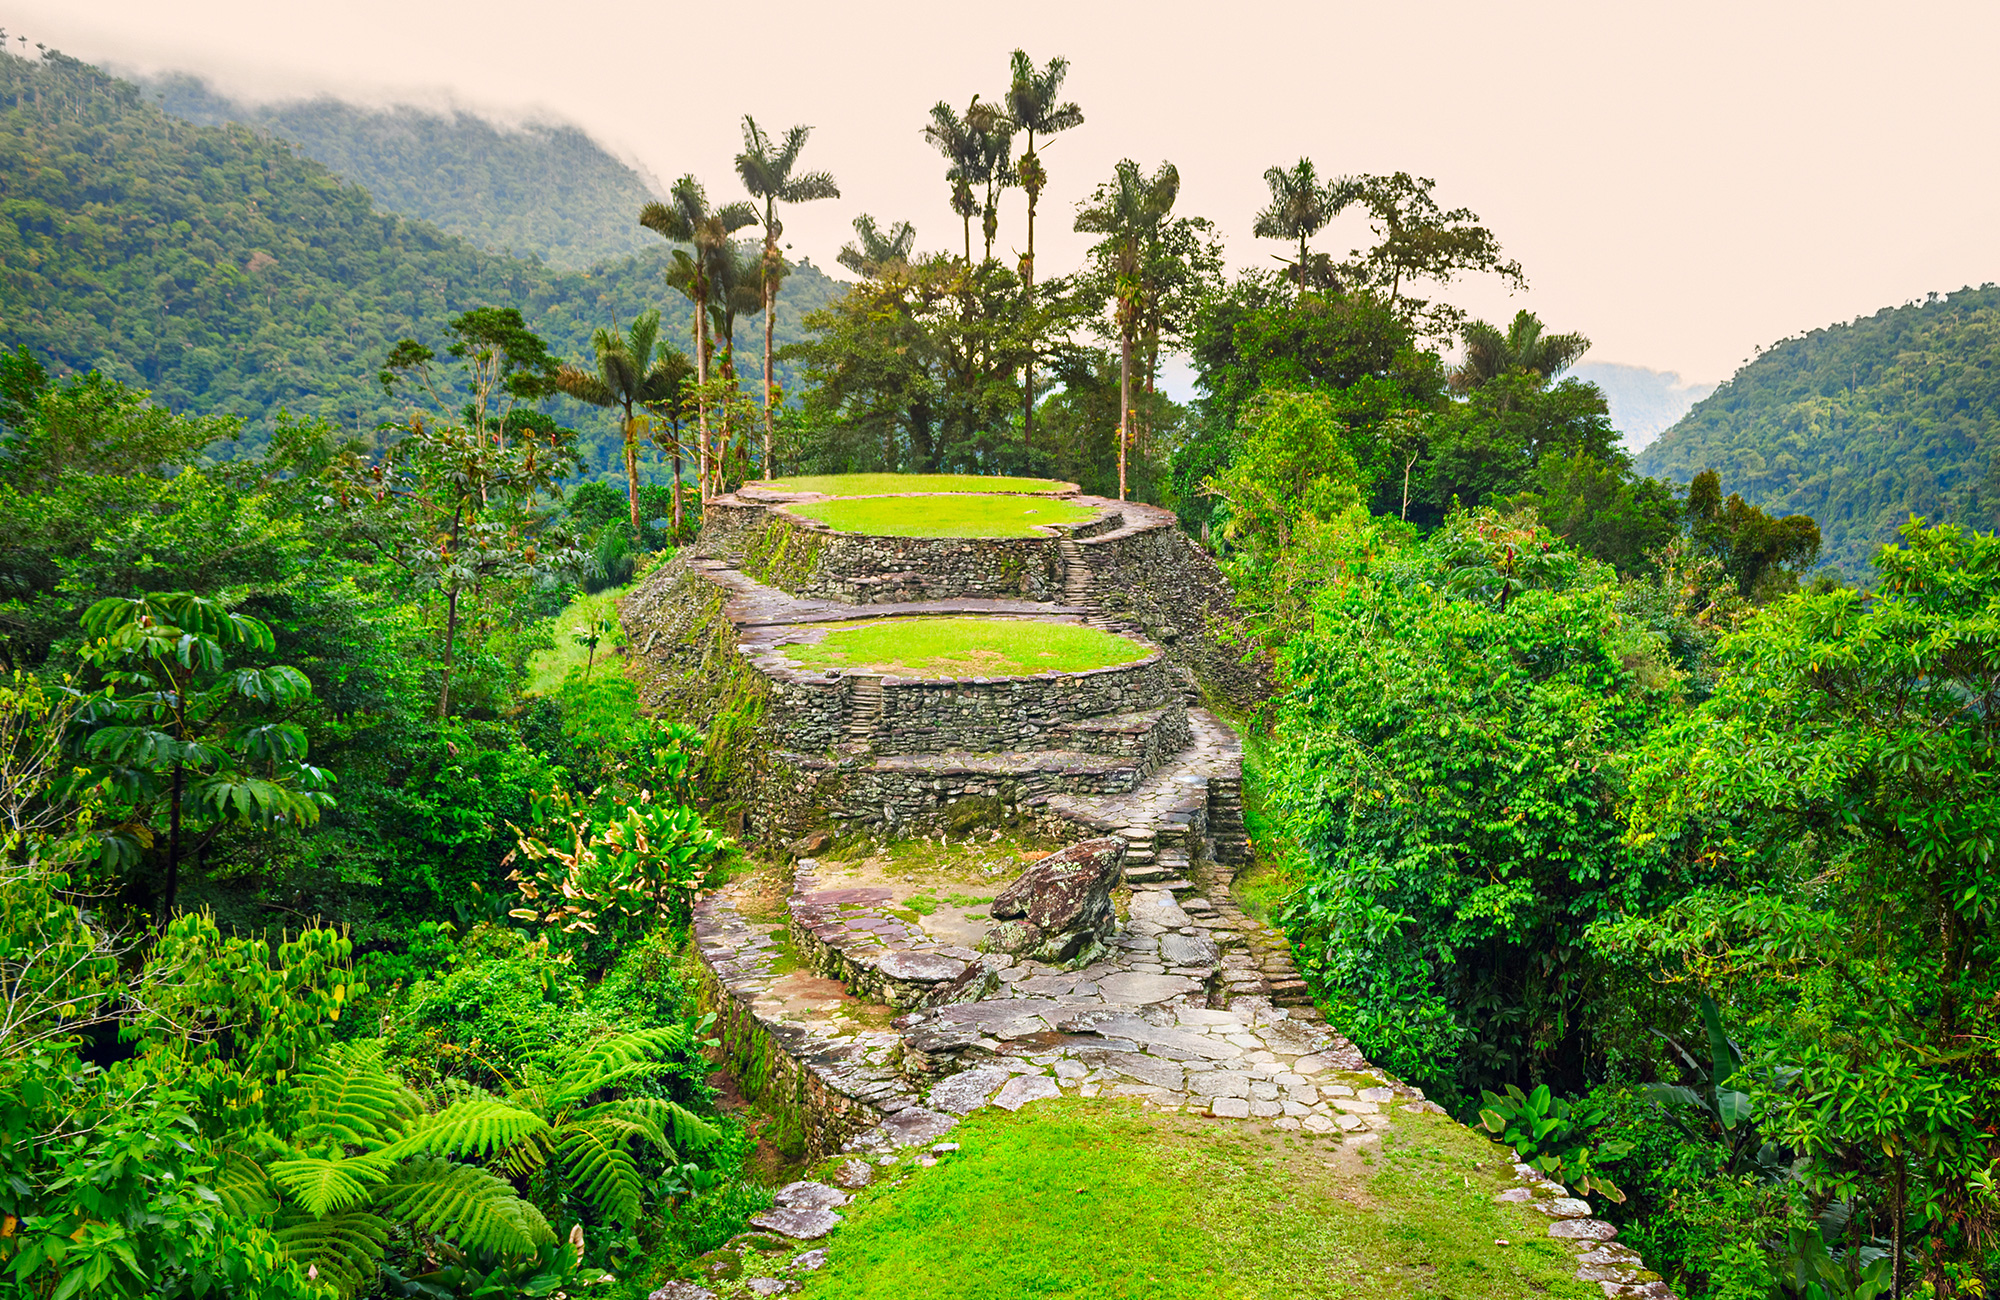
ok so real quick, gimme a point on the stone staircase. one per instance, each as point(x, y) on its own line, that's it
point(1079, 583)
point(864, 710)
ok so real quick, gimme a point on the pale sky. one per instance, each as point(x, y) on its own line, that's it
point(1683, 182)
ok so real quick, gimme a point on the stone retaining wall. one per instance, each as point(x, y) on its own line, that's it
point(863, 570)
point(811, 712)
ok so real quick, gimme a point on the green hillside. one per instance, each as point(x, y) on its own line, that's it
point(1860, 425)
point(223, 270)
point(544, 191)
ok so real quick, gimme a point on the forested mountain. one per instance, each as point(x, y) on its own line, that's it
point(541, 190)
point(229, 274)
point(1860, 425)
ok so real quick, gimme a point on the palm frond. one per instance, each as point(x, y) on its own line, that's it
point(343, 1250)
point(466, 1206)
point(348, 1096)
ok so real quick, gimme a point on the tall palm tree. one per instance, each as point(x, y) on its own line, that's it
point(875, 254)
point(995, 168)
point(631, 376)
point(1032, 104)
point(960, 144)
point(671, 412)
point(1128, 212)
point(736, 290)
point(1490, 354)
point(686, 218)
point(1301, 206)
point(766, 169)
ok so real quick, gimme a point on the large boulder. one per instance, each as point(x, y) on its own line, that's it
point(1059, 911)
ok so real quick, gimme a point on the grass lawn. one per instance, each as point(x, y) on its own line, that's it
point(966, 647)
point(943, 516)
point(849, 485)
point(547, 668)
point(1080, 1198)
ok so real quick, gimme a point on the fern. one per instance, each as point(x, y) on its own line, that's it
point(600, 1169)
point(476, 1126)
point(326, 1186)
point(242, 1188)
point(615, 1060)
point(681, 1128)
point(341, 1251)
point(466, 1206)
point(348, 1096)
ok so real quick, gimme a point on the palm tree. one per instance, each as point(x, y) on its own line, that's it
point(632, 376)
point(734, 277)
point(1128, 212)
point(685, 218)
point(1490, 354)
point(960, 144)
point(995, 169)
point(1301, 206)
point(671, 410)
point(876, 254)
point(1032, 104)
point(766, 169)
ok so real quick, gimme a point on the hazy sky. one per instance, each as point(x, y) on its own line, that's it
point(1683, 182)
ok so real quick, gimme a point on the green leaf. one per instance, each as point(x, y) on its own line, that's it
point(326, 1186)
point(467, 1206)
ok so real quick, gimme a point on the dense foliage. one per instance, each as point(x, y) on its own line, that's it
point(536, 190)
point(1860, 425)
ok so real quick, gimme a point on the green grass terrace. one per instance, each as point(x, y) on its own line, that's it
point(944, 648)
point(945, 515)
point(868, 485)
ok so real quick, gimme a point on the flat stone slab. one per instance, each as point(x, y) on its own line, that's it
point(1582, 1230)
point(799, 1225)
point(921, 967)
point(1140, 988)
point(682, 1291)
point(1024, 1088)
point(811, 1196)
point(854, 1174)
point(917, 1125)
point(970, 1090)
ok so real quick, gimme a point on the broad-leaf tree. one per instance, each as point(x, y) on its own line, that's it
point(766, 166)
point(1419, 241)
point(181, 735)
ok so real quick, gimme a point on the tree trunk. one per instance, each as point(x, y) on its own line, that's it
point(632, 468)
point(770, 331)
point(679, 470)
point(1028, 289)
point(1124, 402)
point(701, 387)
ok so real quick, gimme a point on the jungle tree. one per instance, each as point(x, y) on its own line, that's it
point(766, 168)
point(1301, 206)
point(874, 254)
point(959, 142)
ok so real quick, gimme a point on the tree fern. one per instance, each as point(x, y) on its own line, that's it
point(468, 1207)
point(243, 1189)
point(476, 1126)
point(683, 1129)
point(348, 1096)
point(600, 1169)
point(327, 1186)
point(616, 1060)
point(342, 1252)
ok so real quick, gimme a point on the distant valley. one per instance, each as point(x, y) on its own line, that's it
point(1644, 403)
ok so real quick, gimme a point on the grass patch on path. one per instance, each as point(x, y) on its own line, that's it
point(1078, 1198)
point(547, 668)
point(855, 485)
point(966, 647)
point(943, 516)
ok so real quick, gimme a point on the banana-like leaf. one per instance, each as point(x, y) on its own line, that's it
point(344, 1250)
point(323, 1186)
point(466, 1206)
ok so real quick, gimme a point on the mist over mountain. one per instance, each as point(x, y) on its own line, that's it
point(1644, 402)
point(542, 190)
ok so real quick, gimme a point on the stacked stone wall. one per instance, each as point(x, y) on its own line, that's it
point(1165, 585)
point(862, 570)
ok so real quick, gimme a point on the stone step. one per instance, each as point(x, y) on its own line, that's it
point(1145, 873)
